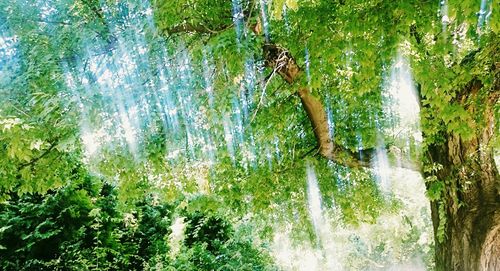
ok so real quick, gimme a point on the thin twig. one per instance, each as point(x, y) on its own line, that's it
point(34, 160)
point(262, 95)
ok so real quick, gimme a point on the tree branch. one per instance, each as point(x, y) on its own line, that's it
point(282, 61)
point(45, 153)
point(199, 29)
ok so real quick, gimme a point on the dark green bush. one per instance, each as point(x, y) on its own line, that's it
point(81, 227)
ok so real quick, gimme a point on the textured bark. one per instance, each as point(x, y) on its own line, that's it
point(471, 200)
point(319, 121)
point(490, 253)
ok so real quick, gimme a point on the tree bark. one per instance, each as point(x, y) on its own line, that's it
point(469, 208)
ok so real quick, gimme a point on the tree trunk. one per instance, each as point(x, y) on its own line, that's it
point(469, 208)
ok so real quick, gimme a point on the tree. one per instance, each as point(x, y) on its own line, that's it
point(461, 171)
point(332, 57)
point(459, 90)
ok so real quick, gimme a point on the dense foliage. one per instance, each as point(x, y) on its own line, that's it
point(80, 227)
point(104, 104)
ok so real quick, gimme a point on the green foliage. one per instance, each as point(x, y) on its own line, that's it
point(82, 227)
point(51, 100)
point(211, 244)
point(441, 230)
point(207, 15)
